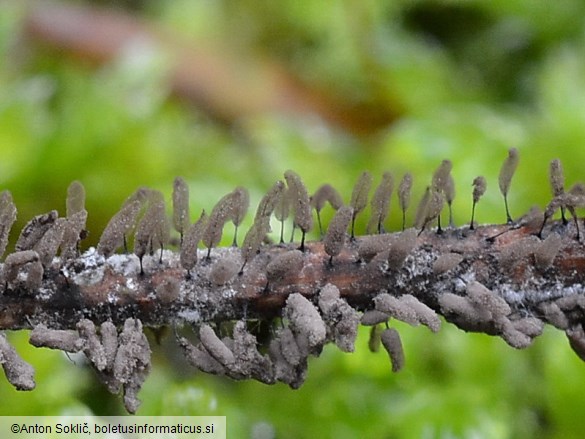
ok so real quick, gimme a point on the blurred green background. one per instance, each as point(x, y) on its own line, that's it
point(463, 80)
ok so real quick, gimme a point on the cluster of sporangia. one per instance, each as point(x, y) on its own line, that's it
point(121, 355)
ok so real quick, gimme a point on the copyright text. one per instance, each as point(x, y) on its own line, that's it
point(208, 427)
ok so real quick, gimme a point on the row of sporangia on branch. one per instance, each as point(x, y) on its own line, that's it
point(506, 280)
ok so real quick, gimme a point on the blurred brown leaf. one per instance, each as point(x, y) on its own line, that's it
point(227, 87)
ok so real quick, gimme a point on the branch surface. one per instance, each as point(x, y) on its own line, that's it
point(94, 288)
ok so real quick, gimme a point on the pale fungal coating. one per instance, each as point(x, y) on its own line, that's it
point(162, 225)
point(479, 188)
point(282, 368)
point(396, 308)
point(27, 262)
point(34, 276)
point(446, 262)
point(284, 265)
point(152, 232)
point(327, 297)
point(132, 362)
point(325, 193)
point(521, 332)
point(401, 247)
point(505, 178)
point(574, 198)
point(224, 270)
point(571, 302)
point(302, 340)
point(18, 372)
point(422, 208)
point(261, 225)
point(7, 218)
point(75, 198)
point(114, 235)
point(467, 312)
point(188, 253)
point(168, 290)
point(547, 250)
point(554, 316)
point(74, 232)
point(374, 340)
point(441, 176)
point(181, 217)
point(92, 348)
point(200, 358)
point(240, 206)
point(531, 219)
point(253, 240)
point(285, 372)
point(345, 331)
point(49, 243)
point(64, 340)
point(216, 348)
point(282, 207)
point(288, 346)
point(393, 345)
point(576, 337)
point(554, 205)
point(404, 189)
point(374, 317)
point(370, 246)
point(517, 251)
point(336, 232)
point(380, 203)
point(220, 214)
point(305, 319)
point(34, 230)
point(433, 208)
point(141, 194)
point(484, 297)
point(109, 338)
point(530, 326)
point(282, 210)
point(556, 177)
point(515, 338)
point(341, 319)
point(406, 308)
point(269, 201)
point(507, 170)
point(424, 314)
point(361, 190)
point(301, 202)
point(18, 259)
point(250, 363)
point(359, 196)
